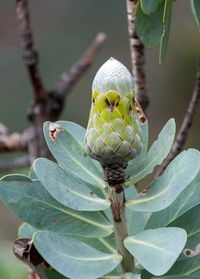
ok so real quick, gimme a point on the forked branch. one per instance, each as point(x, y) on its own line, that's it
point(30, 55)
point(68, 79)
point(186, 124)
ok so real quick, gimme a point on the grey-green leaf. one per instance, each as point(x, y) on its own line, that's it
point(186, 200)
point(128, 275)
point(149, 27)
point(67, 189)
point(77, 131)
point(166, 29)
point(156, 154)
point(32, 203)
point(150, 6)
point(157, 250)
point(71, 155)
point(195, 8)
point(26, 231)
point(73, 258)
point(178, 175)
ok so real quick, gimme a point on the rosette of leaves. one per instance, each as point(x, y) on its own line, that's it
point(69, 231)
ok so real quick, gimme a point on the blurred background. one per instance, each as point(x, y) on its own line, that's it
point(63, 30)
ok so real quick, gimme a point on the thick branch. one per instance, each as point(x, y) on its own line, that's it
point(68, 79)
point(13, 142)
point(117, 198)
point(137, 57)
point(30, 55)
point(186, 124)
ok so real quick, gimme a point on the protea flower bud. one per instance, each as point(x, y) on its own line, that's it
point(113, 134)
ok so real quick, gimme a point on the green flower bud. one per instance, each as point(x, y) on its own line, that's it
point(113, 133)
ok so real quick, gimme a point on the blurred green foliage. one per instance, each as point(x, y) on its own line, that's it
point(8, 260)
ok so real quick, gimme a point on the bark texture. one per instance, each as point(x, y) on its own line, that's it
point(137, 57)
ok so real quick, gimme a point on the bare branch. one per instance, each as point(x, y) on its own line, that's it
point(68, 79)
point(15, 164)
point(14, 142)
point(32, 274)
point(137, 57)
point(30, 55)
point(186, 124)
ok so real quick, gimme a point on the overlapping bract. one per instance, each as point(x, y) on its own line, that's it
point(113, 132)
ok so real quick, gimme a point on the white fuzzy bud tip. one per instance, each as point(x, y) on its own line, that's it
point(113, 75)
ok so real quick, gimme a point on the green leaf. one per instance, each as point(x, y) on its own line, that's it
point(103, 244)
point(32, 203)
point(177, 176)
point(67, 189)
point(149, 27)
point(133, 164)
point(74, 258)
point(156, 154)
point(130, 275)
point(195, 8)
point(136, 220)
point(166, 29)
point(26, 231)
point(150, 6)
point(157, 250)
point(189, 266)
point(77, 131)
point(73, 158)
point(53, 274)
point(127, 275)
point(186, 200)
point(176, 277)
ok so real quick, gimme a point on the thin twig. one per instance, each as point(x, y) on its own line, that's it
point(186, 124)
point(137, 57)
point(68, 79)
point(14, 142)
point(14, 164)
point(30, 55)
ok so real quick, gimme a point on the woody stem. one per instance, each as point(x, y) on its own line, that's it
point(117, 198)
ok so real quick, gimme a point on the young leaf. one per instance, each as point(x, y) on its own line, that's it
point(150, 6)
point(149, 27)
point(185, 201)
point(166, 29)
point(72, 157)
point(73, 258)
point(157, 250)
point(32, 203)
point(67, 189)
point(178, 175)
point(195, 8)
point(156, 154)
